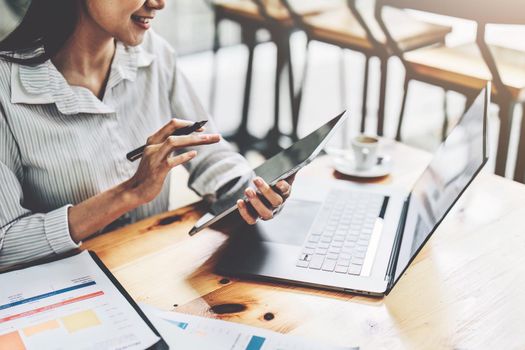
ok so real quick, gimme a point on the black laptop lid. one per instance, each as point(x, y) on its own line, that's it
point(455, 164)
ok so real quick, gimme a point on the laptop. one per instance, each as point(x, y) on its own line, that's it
point(334, 234)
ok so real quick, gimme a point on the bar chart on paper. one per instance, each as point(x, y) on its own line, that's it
point(183, 331)
point(67, 305)
point(229, 338)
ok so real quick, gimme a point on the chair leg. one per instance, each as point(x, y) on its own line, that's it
point(471, 98)
point(402, 111)
point(291, 88)
point(249, 40)
point(272, 139)
point(519, 171)
point(505, 117)
point(342, 79)
point(299, 96)
point(343, 94)
point(365, 94)
point(445, 116)
point(382, 97)
point(215, 66)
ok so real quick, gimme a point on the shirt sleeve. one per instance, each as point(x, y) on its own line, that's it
point(25, 236)
point(216, 166)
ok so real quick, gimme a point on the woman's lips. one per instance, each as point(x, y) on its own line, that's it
point(142, 21)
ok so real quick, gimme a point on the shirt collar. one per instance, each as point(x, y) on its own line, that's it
point(44, 84)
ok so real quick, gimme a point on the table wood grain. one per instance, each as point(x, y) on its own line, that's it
point(463, 291)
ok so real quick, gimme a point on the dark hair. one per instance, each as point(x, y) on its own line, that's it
point(48, 24)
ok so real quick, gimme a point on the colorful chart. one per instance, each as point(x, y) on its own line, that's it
point(11, 341)
point(80, 320)
point(42, 327)
point(183, 331)
point(75, 306)
point(255, 343)
point(181, 325)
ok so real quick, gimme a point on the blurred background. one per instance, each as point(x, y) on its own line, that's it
point(234, 50)
point(271, 71)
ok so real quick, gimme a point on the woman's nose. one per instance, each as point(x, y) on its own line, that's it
point(156, 4)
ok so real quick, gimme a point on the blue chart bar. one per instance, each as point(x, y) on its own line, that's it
point(255, 343)
point(46, 295)
point(181, 325)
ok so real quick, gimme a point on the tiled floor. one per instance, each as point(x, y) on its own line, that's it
point(424, 113)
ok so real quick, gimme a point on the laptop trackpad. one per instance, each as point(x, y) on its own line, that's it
point(292, 225)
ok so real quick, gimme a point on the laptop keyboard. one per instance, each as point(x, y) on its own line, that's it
point(340, 234)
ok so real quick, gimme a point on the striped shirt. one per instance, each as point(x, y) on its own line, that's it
point(60, 145)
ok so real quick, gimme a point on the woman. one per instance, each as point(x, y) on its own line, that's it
point(83, 82)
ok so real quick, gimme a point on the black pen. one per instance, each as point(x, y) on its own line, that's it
point(137, 153)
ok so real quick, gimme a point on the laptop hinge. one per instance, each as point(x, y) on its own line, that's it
point(390, 273)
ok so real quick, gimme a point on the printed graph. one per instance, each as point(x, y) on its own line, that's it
point(181, 325)
point(11, 341)
point(42, 327)
point(80, 320)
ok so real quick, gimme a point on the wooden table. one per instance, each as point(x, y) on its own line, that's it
point(464, 290)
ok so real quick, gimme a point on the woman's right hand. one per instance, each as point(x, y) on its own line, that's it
point(158, 160)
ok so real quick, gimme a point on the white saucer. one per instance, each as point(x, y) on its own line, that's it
point(346, 166)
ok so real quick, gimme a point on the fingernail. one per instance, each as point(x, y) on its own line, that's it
point(203, 137)
point(240, 203)
point(258, 181)
point(281, 186)
point(250, 193)
point(193, 153)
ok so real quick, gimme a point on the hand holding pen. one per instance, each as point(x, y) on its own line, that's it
point(158, 159)
point(185, 128)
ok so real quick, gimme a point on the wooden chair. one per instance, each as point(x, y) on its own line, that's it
point(468, 67)
point(354, 27)
point(253, 16)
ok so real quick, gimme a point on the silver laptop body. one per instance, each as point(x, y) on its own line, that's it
point(339, 235)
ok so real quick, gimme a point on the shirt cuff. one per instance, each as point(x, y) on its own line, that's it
point(229, 198)
point(56, 227)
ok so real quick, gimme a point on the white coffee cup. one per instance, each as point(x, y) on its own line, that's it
point(365, 151)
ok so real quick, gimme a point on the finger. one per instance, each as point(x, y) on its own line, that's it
point(181, 159)
point(150, 151)
point(284, 187)
point(291, 179)
point(174, 142)
point(245, 214)
point(262, 210)
point(271, 196)
point(163, 133)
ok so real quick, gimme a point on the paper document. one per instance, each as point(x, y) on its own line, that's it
point(68, 304)
point(182, 331)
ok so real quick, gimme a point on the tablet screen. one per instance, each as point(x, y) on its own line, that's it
point(298, 153)
point(280, 166)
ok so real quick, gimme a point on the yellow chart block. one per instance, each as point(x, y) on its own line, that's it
point(80, 320)
point(42, 327)
point(11, 341)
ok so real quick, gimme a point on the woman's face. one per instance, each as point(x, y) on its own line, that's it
point(124, 20)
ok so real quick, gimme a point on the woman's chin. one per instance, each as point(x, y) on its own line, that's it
point(132, 40)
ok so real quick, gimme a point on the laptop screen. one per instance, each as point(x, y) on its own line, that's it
point(455, 164)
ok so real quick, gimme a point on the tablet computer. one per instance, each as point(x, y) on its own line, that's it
point(283, 165)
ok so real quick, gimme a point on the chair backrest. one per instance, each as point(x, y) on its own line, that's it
point(481, 11)
point(296, 17)
point(264, 7)
point(352, 7)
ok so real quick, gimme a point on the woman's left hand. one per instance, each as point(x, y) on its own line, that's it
point(266, 201)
